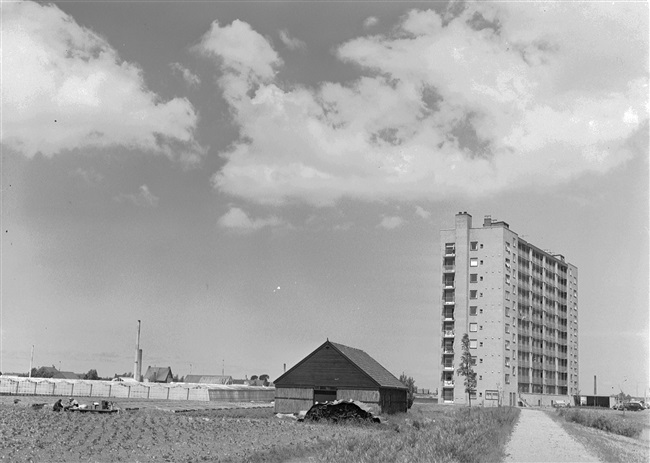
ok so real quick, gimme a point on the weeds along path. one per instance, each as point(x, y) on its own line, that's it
point(537, 438)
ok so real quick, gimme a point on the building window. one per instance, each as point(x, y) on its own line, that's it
point(507, 328)
point(473, 246)
point(507, 279)
point(507, 345)
point(507, 378)
point(473, 277)
point(507, 295)
point(473, 360)
point(472, 294)
point(472, 327)
point(472, 343)
point(473, 262)
point(480, 344)
point(472, 310)
point(507, 361)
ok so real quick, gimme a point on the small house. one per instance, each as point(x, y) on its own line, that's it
point(158, 375)
point(337, 372)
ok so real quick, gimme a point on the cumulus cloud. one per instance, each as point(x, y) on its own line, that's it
point(238, 220)
point(143, 198)
point(191, 79)
point(422, 213)
point(65, 88)
point(291, 43)
point(370, 22)
point(499, 96)
point(391, 222)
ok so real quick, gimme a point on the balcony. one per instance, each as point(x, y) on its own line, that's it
point(450, 251)
point(448, 284)
point(447, 350)
point(449, 268)
point(448, 333)
point(448, 383)
point(448, 367)
point(448, 316)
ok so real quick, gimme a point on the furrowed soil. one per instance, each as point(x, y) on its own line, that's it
point(156, 431)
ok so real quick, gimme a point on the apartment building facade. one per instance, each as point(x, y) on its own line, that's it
point(519, 306)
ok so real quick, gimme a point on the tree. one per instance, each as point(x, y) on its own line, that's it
point(254, 377)
point(43, 372)
point(409, 382)
point(465, 369)
point(92, 374)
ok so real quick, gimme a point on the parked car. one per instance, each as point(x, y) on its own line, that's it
point(561, 404)
point(633, 406)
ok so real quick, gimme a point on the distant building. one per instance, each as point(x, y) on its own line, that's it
point(209, 379)
point(333, 372)
point(66, 375)
point(158, 375)
point(519, 306)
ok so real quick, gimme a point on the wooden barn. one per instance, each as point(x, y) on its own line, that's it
point(336, 372)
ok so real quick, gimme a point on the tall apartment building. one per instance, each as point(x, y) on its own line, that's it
point(519, 306)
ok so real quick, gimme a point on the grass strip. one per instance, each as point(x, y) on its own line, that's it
point(594, 419)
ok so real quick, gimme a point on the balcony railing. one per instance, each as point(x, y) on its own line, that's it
point(448, 333)
point(447, 350)
point(448, 383)
point(449, 268)
point(448, 367)
point(448, 300)
point(448, 316)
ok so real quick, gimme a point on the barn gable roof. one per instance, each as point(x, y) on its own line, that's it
point(158, 374)
point(370, 366)
point(359, 359)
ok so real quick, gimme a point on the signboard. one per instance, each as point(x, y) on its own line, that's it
point(491, 395)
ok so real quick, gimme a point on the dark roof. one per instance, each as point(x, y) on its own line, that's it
point(370, 366)
point(158, 374)
point(364, 362)
point(208, 379)
point(65, 375)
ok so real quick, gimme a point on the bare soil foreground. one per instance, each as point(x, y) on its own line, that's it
point(157, 431)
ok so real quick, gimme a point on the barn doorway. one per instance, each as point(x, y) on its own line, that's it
point(324, 396)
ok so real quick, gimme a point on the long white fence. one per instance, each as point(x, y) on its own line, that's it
point(15, 385)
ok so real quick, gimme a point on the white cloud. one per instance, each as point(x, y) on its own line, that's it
point(422, 213)
point(191, 79)
point(64, 87)
point(143, 198)
point(502, 96)
point(370, 22)
point(391, 222)
point(291, 43)
point(241, 50)
point(237, 219)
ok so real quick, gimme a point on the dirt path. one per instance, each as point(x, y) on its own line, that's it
point(537, 438)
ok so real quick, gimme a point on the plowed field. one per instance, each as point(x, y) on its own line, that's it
point(154, 432)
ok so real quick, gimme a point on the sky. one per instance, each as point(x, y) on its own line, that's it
point(250, 179)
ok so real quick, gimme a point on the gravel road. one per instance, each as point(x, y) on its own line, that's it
point(537, 438)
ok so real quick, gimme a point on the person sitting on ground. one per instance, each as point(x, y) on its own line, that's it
point(72, 404)
point(58, 406)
